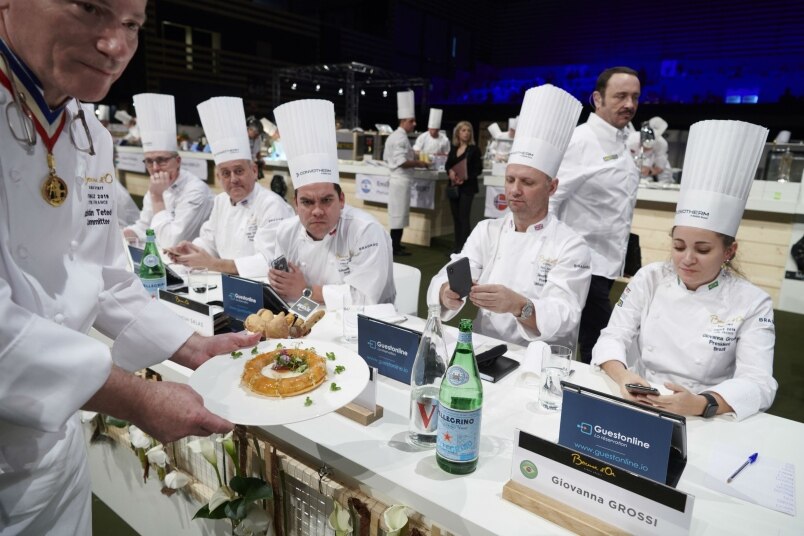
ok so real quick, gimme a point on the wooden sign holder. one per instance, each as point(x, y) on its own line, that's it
point(557, 512)
point(359, 414)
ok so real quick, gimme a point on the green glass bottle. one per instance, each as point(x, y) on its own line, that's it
point(152, 270)
point(460, 403)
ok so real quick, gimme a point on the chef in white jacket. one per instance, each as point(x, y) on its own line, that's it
point(401, 160)
point(597, 192)
point(531, 271)
point(63, 271)
point(693, 325)
point(245, 215)
point(335, 256)
point(433, 141)
point(177, 202)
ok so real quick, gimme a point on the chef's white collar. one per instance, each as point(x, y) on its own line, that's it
point(603, 129)
point(708, 287)
point(246, 201)
point(537, 227)
point(180, 180)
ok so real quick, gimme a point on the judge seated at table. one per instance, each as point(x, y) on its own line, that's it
point(245, 215)
point(177, 202)
point(694, 325)
point(530, 271)
point(334, 256)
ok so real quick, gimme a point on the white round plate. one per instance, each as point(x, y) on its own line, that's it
point(218, 382)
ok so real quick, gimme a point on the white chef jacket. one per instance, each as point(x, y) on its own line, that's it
point(245, 231)
point(718, 338)
point(397, 150)
point(656, 156)
point(425, 143)
point(354, 260)
point(127, 210)
point(62, 271)
point(188, 203)
point(597, 191)
point(548, 264)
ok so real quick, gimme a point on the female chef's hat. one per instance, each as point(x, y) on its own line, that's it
point(495, 131)
point(719, 168)
point(156, 117)
point(434, 121)
point(308, 136)
point(546, 122)
point(224, 122)
point(405, 104)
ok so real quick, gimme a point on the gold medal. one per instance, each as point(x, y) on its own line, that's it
point(54, 189)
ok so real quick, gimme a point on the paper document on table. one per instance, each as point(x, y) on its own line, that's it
point(767, 482)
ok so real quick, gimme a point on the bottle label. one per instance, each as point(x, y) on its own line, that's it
point(153, 285)
point(465, 337)
point(457, 375)
point(425, 414)
point(150, 260)
point(458, 434)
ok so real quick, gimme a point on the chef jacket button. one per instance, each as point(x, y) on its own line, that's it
point(58, 318)
point(22, 252)
point(16, 176)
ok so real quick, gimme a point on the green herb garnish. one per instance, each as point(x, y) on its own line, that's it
point(339, 369)
point(235, 355)
point(331, 356)
point(254, 351)
point(279, 346)
point(308, 401)
point(334, 387)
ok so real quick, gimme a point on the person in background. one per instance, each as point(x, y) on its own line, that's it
point(651, 155)
point(401, 160)
point(277, 152)
point(433, 141)
point(255, 139)
point(530, 271)
point(598, 189)
point(464, 166)
point(245, 215)
point(694, 324)
point(177, 202)
point(62, 270)
point(336, 255)
point(132, 137)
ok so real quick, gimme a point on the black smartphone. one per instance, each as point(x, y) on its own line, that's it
point(460, 277)
point(637, 389)
point(280, 263)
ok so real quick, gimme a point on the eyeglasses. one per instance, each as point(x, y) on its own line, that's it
point(21, 122)
point(161, 160)
point(226, 174)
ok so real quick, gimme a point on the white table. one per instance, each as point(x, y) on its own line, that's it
point(379, 457)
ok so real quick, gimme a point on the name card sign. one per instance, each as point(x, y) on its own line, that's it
point(304, 307)
point(197, 166)
point(241, 297)
point(388, 347)
point(197, 314)
point(131, 161)
point(576, 488)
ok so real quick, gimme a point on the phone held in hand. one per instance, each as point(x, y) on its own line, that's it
point(638, 389)
point(280, 263)
point(460, 277)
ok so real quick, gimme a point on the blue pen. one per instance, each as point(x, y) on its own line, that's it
point(751, 459)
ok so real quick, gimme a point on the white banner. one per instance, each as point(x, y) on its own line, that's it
point(496, 205)
point(197, 166)
point(375, 188)
point(605, 500)
point(131, 161)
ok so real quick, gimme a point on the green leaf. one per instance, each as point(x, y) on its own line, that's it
point(264, 492)
point(251, 488)
point(308, 401)
point(236, 509)
point(334, 387)
point(217, 513)
point(235, 355)
point(254, 351)
point(331, 356)
point(279, 346)
point(117, 423)
point(339, 369)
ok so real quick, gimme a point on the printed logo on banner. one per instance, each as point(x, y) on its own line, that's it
point(365, 186)
point(389, 348)
point(500, 203)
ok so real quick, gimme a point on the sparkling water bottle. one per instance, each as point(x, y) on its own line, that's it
point(425, 381)
point(460, 403)
point(152, 270)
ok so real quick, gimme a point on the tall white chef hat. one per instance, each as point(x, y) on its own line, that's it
point(268, 126)
point(123, 116)
point(719, 168)
point(512, 122)
point(405, 104)
point(308, 136)
point(434, 121)
point(224, 123)
point(102, 112)
point(658, 125)
point(546, 121)
point(494, 130)
point(156, 117)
